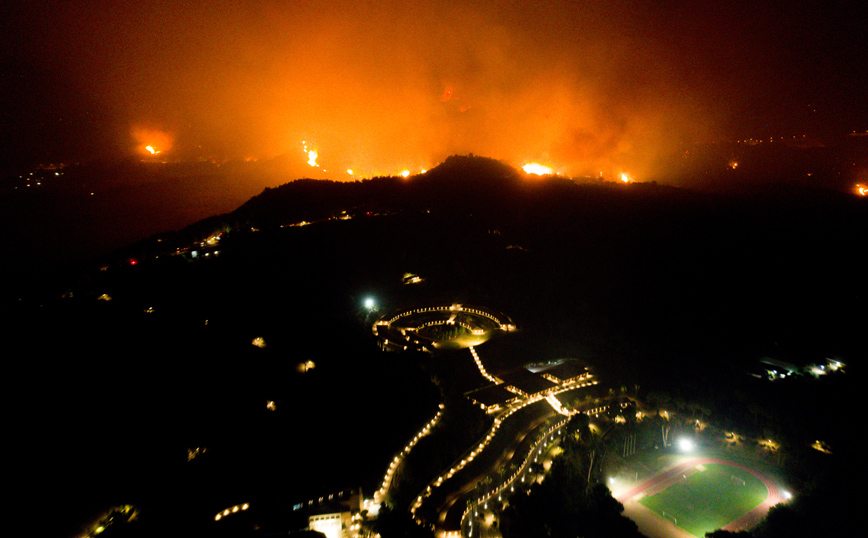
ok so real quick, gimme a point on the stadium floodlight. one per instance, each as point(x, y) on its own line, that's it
point(685, 444)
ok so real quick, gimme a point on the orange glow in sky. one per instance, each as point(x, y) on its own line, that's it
point(583, 86)
point(380, 108)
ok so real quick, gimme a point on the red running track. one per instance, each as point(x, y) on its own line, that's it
point(669, 476)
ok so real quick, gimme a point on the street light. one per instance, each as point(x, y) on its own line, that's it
point(685, 444)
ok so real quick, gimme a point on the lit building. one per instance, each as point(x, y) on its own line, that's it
point(333, 525)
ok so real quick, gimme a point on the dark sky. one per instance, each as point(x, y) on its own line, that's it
point(380, 86)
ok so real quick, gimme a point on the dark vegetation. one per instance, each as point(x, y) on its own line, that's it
point(570, 501)
point(675, 291)
point(445, 332)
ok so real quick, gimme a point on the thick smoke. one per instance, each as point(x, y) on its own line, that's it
point(585, 87)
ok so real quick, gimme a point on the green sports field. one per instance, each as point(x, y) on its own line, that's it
point(707, 500)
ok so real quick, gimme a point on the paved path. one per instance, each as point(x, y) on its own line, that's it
point(654, 526)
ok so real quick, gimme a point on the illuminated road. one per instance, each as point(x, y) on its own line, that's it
point(509, 448)
point(516, 429)
point(446, 503)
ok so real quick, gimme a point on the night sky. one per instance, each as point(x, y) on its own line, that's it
point(378, 87)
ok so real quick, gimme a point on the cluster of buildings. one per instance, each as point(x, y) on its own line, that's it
point(524, 383)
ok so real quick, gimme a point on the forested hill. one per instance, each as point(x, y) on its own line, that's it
point(536, 209)
point(458, 183)
point(648, 230)
point(464, 185)
point(489, 188)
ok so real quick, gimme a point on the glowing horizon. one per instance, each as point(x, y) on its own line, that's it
point(237, 85)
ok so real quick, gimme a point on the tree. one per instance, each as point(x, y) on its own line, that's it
point(398, 523)
point(566, 504)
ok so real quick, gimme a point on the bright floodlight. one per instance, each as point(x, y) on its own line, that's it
point(686, 445)
point(370, 304)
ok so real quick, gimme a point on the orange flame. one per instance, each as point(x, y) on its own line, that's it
point(536, 168)
point(152, 141)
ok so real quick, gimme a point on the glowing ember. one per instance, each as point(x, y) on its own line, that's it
point(536, 168)
point(405, 173)
point(149, 139)
point(311, 154)
point(625, 178)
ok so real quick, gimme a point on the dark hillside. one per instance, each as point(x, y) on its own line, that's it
point(649, 284)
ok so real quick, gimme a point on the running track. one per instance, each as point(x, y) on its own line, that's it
point(671, 475)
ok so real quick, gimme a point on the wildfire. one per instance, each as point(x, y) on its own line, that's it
point(536, 168)
point(625, 178)
point(311, 154)
point(733, 164)
point(152, 141)
point(861, 189)
point(405, 173)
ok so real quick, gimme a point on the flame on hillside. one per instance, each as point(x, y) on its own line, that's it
point(537, 169)
point(311, 154)
point(152, 141)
